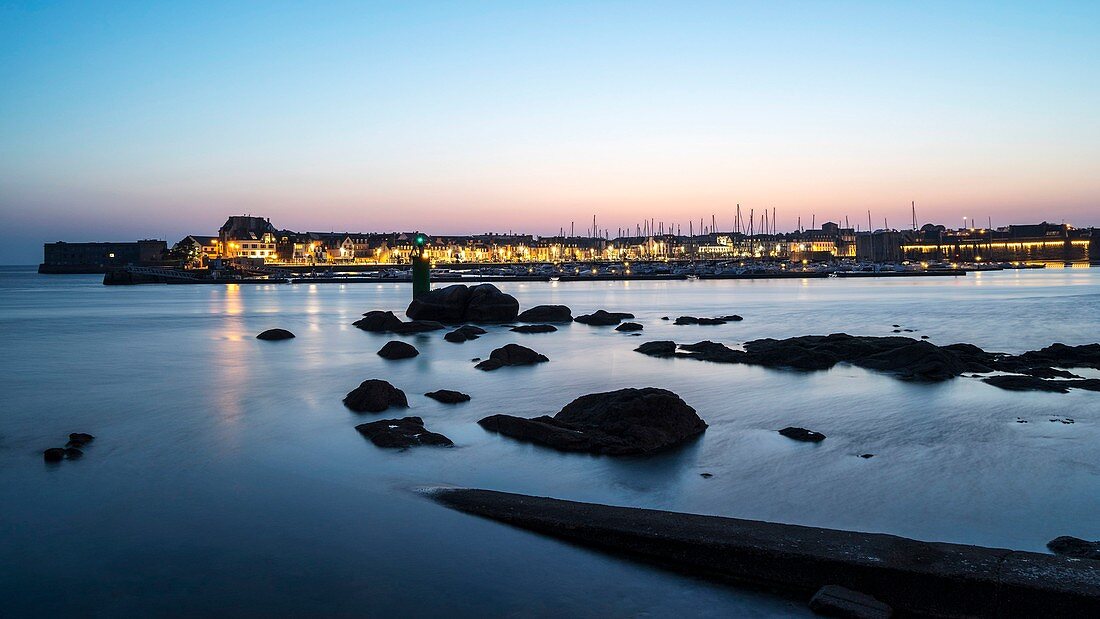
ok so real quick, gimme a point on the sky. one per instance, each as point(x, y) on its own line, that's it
point(122, 120)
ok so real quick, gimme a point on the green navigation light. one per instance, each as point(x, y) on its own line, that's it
point(420, 240)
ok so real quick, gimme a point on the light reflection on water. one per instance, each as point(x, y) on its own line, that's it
point(228, 479)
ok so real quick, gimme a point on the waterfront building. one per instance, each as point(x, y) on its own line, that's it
point(62, 257)
point(1044, 242)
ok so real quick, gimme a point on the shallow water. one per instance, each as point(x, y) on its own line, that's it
point(227, 477)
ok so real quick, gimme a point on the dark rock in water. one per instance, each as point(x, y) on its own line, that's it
point(1018, 382)
point(712, 351)
point(895, 326)
point(1060, 355)
point(446, 396)
point(629, 326)
point(924, 337)
point(866, 456)
point(731, 318)
point(664, 317)
point(1074, 547)
point(601, 318)
point(511, 354)
point(398, 350)
point(72, 453)
point(706, 475)
point(401, 433)
point(692, 320)
point(802, 434)
point(79, 439)
point(836, 601)
point(275, 334)
point(1048, 373)
point(660, 348)
point(622, 422)
point(459, 303)
point(546, 313)
point(475, 359)
point(378, 321)
point(375, 396)
point(534, 329)
point(896, 331)
point(417, 326)
point(54, 454)
point(463, 333)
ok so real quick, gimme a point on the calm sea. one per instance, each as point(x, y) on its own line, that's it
point(228, 479)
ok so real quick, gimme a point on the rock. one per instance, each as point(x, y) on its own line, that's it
point(459, 303)
point(866, 456)
point(534, 329)
point(629, 326)
point(692, 320)
point(1049, 373)
point(660, 348)
point(375, 396)
point(601, 318)
point(706, 475)
point(446, 396)
point(1060, 355)
point(463, 333)
point(621, 422)
point(546, 313)
point(731, 318)
point(802, 434)
point(1074, 547)
point(456, 337)
point(54, 454)
point(511, 354)
point(836, 601)
point(79, 439)
point(378, 321)
point(398, 350)
point(664, 317)
point(417, 326)
point(1018, 382)
point(72, 453)
point(401, 433)
point(275, 334)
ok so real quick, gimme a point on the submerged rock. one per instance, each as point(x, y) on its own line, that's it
point(447, 396)
point(1074, 547)
point(511, 354)
point(375, 396)
point(401, 433)
point(621, 422)
point(464, 333)
point(378, 321)
point(692, 320)
point(601, 318)
point(275, 334)
point(398, 350)
point(54, 454)
point(459, 303)
point(418, 326)
point(629, 326)
point(79, 439)
point(534, 329)
point(802, 434)
point(546, 313)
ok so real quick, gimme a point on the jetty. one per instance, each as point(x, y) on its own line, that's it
point(912, 577)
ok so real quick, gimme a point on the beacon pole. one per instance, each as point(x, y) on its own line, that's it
point(421, 267)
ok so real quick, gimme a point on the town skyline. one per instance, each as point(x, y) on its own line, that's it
point(121, 124)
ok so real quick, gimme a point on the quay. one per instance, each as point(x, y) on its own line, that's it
point(913, 577)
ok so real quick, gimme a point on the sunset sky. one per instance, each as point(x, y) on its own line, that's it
point(122, 120)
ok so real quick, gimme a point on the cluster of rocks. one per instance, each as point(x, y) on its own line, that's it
point(622, 422)
point(720, 320)
point(907, 358)
point(603, 318)
point(464, 334)
point(459, 303)
point(378, 321)
point(71, 451)
point(275, 334)
point(375, 395)
point(511, 354)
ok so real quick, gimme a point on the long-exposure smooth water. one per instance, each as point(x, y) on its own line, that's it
point(227, 478)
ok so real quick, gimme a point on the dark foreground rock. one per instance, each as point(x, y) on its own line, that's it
point(628, 327)
point(447, 396)
point(1019, 382)
point(546, 313)
point(375, 396)
point(464, 333)
point(834, 601)
point(511, 354)
point(601, 318)
point(913, 577)
point(802, 434)
point(534, 329)
point(622, 422)
point(692, 320)
point(401, 433)
point(378, 321)
point(79, 439)
point(1075, 547)
point(398, 350)
point(460, 303)
point(275, 334)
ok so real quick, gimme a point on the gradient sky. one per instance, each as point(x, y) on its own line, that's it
point(148, 119)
